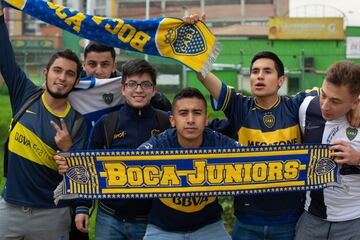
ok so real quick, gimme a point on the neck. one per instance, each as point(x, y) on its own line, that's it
point(190, 143)
point(56, 104)
point(266, 102)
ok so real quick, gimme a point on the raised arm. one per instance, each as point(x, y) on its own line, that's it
point(212, 83)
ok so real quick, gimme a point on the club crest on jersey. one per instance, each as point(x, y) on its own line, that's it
point(108, 98)
point(351, 133)
point(324, 166)
point(78, 174)
point(269, 120)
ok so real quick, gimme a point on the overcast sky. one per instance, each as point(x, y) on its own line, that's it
point(351, 8)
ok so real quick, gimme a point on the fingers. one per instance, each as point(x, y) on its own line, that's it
point(82, 222)
point(203, 17)
point(63, 125)
point(61, 164)
point(55, 126)
point(191, 19)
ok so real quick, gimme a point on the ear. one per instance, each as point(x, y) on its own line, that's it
point(207, 120)
point(281, 81)
point(355, 103)
point(172, 121)
point(44, 73)
point(154, 91)
point(122, 88)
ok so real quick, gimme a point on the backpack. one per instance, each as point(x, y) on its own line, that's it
point(111, 119)
point(35, 96)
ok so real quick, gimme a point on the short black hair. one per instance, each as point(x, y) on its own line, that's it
point(99, 47)
point(69, 55)
point(189, 92)
point(138, 67)
point(345, 73)
point(279, 66)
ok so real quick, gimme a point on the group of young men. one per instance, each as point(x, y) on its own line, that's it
point(47, 126)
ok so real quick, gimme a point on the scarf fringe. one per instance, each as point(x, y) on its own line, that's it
point(58, 193)
point(206, 68)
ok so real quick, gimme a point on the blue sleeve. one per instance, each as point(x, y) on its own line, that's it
point(234, 105)
point(223, 126)
point(296, 100)
point(20, 87)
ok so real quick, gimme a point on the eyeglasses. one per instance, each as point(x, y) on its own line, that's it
point(144, 85)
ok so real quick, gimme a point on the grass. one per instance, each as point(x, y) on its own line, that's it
point(5, 118)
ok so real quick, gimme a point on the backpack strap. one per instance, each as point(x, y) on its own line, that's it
point(163, 120)
point(36, 95)
point(79, 120)
point(109, 128)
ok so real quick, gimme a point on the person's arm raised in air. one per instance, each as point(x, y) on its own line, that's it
point(210, 81)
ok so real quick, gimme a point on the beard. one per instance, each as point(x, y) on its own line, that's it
point(58, 95)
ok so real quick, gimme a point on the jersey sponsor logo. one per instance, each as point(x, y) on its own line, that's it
point(108, 98)
point(188, 204)
point(28, 145)
point(332, 134)
point(269, 120)
point(256, 137)
point(351, 133)
point(120, 135)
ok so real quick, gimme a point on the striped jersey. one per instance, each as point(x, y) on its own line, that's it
point(257, 126)
point(340, 203)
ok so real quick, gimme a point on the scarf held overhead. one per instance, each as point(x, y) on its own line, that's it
point(193, 45)
point(115, 173)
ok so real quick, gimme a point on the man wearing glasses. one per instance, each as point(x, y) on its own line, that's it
point(135, 123)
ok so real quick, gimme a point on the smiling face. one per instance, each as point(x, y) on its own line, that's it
point(189, 116)
point(336, 101)
point(264, 79)
point(99, 64)
point(61, 77)
point(141, 95)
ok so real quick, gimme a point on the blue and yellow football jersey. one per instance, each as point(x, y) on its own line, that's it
point(255, 126)
point(32, 172)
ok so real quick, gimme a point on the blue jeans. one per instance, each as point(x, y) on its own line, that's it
point(110, 228)
point(214, 231)
point(242, 231)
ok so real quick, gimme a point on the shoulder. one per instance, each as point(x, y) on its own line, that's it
point(163, 140)
point(217, 139)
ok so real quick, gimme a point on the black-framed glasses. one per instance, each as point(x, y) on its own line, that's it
point(144, 85)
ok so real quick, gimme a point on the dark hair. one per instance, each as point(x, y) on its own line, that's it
point(279, 66)
point(138, 67)
point(189, 92)
point(69, 55)
point(345, 73)
point(99, 47)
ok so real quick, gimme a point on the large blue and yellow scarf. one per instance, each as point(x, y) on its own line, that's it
point(192, 45)
point(162, 173)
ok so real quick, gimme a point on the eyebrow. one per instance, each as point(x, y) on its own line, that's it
point(334, 98)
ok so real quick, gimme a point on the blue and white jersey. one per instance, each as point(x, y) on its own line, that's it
point(334, 204)
point(105, 95)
